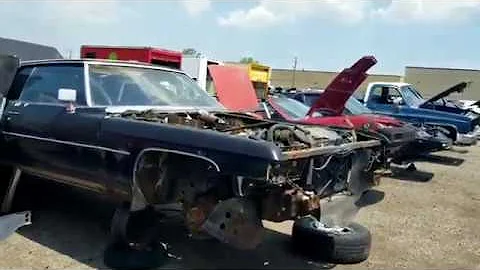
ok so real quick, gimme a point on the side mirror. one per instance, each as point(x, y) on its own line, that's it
point(67, 95)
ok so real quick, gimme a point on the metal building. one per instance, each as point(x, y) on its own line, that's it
point(431, 80)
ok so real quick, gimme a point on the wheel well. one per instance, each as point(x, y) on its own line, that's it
point(452, 130)
point(163, 177)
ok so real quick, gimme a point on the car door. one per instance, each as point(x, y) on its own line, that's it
point(379, 101)
point(8, 68)
point(44, 136)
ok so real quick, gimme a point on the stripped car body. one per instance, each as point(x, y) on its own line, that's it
point(150, 136)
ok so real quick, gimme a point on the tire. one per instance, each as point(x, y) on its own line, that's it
point(338, 248)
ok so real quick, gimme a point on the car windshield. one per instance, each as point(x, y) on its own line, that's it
point(355, 107)
point(112, 85)
point(311, 98)
point(411, 96)
point(293, 108)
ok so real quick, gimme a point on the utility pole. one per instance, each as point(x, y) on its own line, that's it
point(294, 70)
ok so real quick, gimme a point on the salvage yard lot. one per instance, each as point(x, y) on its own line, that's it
point(417, 220)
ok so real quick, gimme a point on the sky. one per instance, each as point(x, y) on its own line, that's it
point(323, 34)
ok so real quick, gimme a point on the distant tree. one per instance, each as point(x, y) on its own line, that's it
point(191, 52)
point(248, 60)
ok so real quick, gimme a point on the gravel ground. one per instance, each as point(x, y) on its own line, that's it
point(425, 219)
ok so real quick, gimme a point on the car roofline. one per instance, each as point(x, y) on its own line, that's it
point(99, 62)
point(398, 84)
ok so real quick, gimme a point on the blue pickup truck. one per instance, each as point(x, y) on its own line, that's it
point(402, 101)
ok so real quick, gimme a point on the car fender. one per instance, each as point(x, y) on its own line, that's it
point(451, 128)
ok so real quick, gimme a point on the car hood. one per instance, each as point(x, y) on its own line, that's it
point(233, 88)
point(457, 88)
point(343, 86)
point(8, 69)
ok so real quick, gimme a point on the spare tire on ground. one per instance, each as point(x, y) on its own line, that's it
point(347, 245)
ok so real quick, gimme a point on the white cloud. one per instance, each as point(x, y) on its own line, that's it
point(256, 16)
point(272, 12)
point(195, 7)
point(428, 11)
point(79, 12)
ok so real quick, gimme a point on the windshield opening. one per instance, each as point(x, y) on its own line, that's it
point(355, 107)
point(293, 108)
point(411, 96)
point(138, 86)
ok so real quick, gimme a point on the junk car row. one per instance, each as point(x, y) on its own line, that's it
point(149, 137)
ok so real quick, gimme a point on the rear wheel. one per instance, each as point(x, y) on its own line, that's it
point(347, 245)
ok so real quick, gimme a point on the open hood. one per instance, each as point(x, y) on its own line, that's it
point(457, 88)
point(8, 68)
point(343, 86)
point(233, 88)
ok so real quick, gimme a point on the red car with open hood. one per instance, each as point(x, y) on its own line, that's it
point(235, 91)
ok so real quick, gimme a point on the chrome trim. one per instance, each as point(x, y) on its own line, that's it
point(161, 109)
point(67, 180)
point(67, 143)
point(155, 149)
point(138, 198)
point(86, 81)
point(106, 62)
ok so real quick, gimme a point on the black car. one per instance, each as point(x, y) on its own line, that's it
point(149, 136)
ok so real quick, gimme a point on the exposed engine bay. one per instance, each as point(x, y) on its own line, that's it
point(318, 163)
point(285, 136)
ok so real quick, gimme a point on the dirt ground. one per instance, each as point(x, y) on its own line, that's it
point(425, 219)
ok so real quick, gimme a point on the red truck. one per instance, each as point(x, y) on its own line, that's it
point(155, 56)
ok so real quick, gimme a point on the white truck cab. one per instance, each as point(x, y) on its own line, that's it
point(196, 67)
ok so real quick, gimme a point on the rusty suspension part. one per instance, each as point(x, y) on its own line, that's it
point(285, 204)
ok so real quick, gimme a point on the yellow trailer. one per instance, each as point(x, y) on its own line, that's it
point(259, 76)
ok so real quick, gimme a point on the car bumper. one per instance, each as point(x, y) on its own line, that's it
point(468, 138)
